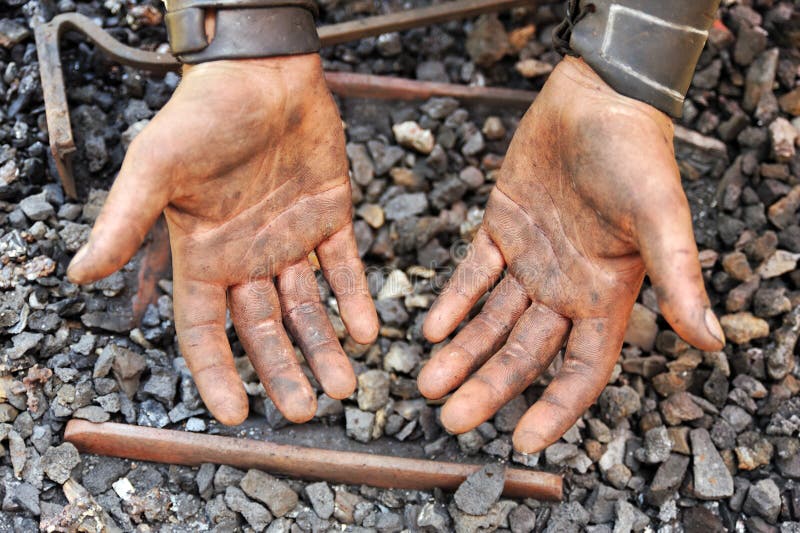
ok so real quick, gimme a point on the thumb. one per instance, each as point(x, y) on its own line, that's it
point(135, 201)
point(669, 251)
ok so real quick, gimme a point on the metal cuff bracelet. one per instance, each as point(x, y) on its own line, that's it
point(644, 49)
point(242, 29)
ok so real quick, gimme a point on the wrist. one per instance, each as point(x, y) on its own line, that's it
point(578, 71)
point(275, 76)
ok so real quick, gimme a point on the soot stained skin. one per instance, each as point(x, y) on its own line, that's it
point(569, 221)
point(245, 202)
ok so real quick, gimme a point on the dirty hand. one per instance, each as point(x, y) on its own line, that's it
point(588, 199)
point(247, 162)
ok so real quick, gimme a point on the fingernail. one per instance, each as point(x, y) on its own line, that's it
point(712, 324)
point(79, 256)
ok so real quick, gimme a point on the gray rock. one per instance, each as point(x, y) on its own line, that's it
point(92, 413)
point(373, 390)
point(74, 235)
point(432, 71)
point(391, 311)
point(559, 453)
point(567, 517)
point(161, 385)
point(602, 508)
point(473, 144)
point(205, 480)
point(152, 414)
point(764, 499)
point(779, 354)
point(23, 343)
point(135, 111)
point(712, 480)
point(21, 496)
point(495, 518)
point(360, 163)
point(276, 494)
point(104, 361)
point(198, 425)
point(328, 407)
point(481, 489)
point(128, 367)
point(619, 402)
point(181, 412)
point(98, 473)
point(760, 78)
point(435, 517)
point(256, 514)
point(738, 418)
point(522, 520)
point(36, 207)
point(406, 205)
point(12, 33)
point(509, 415)
point(787, 456)
point(499, 448)
point(389, 44)
point(321, 498)
point(471, 442)
point(41, 438)
point(218, 514)
point(17, 452)
point(85, 345)
point(439, 108)
point(402, 357)
point(359, 424)
point(280, 525)
point(384, 157)
point(657, 446)
point(110, 403)
point(667, 479)
point(629, 518)
point(227, 476)
point(58, 462)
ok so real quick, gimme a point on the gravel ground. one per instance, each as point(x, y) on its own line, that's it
point(679, 441)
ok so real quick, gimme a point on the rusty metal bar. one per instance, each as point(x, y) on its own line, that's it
point(391, 88)
point(414, 18)
point(193, 449)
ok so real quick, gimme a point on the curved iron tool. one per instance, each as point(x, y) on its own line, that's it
point(62, 143)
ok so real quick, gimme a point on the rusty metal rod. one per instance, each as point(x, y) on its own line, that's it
point(193, 449)
point(414, 18)
point(392, 88)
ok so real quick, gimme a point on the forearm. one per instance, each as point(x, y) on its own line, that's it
point(644, 49)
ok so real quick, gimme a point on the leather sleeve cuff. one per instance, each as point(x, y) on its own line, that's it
point(644, 49)
point(243, 29)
